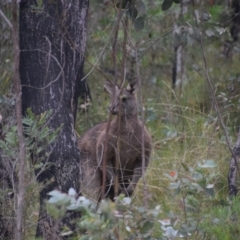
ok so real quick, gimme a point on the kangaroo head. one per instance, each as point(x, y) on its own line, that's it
point(124, 99)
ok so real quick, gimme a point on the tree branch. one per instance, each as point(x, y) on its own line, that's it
point(143, 121)
point(6, 19)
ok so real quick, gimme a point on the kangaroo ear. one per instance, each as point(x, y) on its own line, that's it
point(132, 88)
point(109, 87)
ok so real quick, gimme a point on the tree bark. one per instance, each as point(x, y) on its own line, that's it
point(178, 70)
point(21, 143)
point(234, 169)
point(52, 44)
point(234, 29)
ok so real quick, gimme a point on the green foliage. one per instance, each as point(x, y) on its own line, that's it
point(135, 10)
point(187, 174)
point(37, 138)
point(221, 222)
point(11, 142)
point(139, 23)
point(199, 214)
point(38, 6)
point(6, 55)
point(215, 11)
point(193, 189)
point(119, 220)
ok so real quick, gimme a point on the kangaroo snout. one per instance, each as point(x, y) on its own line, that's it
point(113, 110)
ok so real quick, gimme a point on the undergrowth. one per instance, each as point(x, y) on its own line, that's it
point(186, 179)
point(187, 176)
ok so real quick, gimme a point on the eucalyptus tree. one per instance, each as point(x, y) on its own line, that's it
point(52, 46)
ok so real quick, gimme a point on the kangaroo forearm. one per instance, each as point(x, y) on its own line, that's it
point(138, 171)
point(110, 176)
point(136, 175)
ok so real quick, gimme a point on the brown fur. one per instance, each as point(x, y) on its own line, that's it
point(91, 145)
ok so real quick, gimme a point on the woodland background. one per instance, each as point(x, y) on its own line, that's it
point(188, 58)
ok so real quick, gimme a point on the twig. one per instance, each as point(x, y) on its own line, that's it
point(114, 50)
point(109, 120)
point(142, 142)
point(115, 44)
point(118, 160)
point(105, 156)
point(6, 19)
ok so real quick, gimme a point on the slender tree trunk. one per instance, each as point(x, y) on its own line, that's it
point(178, 70)
point(233, 173)
point(234, 169)
point(52, 44)
point(234, 29)
point(21, 155)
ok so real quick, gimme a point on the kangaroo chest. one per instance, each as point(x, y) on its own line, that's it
point(128, 149)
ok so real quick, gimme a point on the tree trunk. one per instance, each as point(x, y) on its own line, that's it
point(234, 169)
point(234, 29)
point(52, 44)
point(178, 70)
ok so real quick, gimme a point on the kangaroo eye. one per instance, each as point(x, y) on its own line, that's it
point(124, 99)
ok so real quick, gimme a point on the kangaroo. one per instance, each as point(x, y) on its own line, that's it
point(91, 146)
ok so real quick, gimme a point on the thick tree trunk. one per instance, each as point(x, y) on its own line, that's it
point(52, 44)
